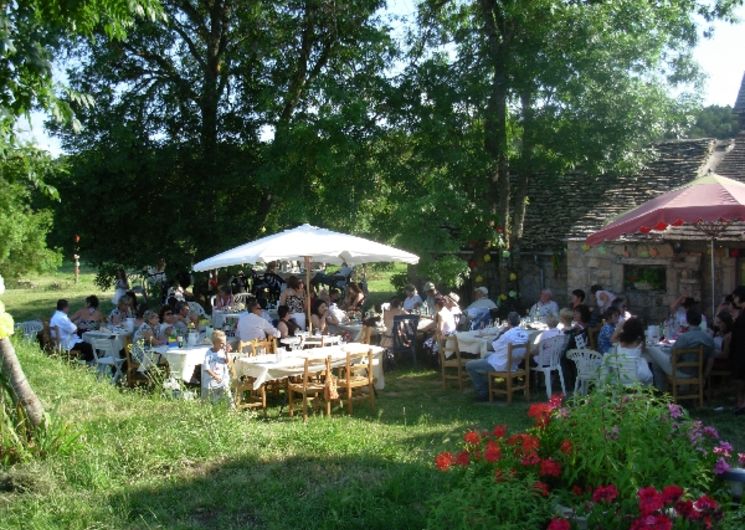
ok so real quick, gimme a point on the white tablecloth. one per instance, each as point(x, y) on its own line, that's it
point(119, 340)
point(480, 341)
point(183, 361)
point(265, 368)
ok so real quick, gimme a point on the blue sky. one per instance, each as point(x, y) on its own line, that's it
point(722, 58)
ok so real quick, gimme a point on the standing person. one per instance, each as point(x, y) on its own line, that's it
point(65, 330)
point(121, 286)
point(737, 348)
point(215, 371)
point(294, 297)
point(497, 361)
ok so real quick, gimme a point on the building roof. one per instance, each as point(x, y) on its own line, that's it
point(577, 205)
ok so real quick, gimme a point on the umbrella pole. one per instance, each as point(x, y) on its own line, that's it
point(713, 296)
point(307, 293)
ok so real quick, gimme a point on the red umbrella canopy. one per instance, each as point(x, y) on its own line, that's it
point(708, 199)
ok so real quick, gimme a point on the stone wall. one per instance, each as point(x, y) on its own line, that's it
point(543, 271)
point(687, 267)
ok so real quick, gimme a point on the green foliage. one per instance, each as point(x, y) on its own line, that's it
point(23, 228)
point(714, 122)
point(448, 270)
point(479, 502)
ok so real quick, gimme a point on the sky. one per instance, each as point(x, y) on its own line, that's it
point(721, 57)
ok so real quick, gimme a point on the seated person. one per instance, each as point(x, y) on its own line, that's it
point(608, 335)
point(175, 293)
point(576, 298)
point(61, 324)
point(692, 338)
point(497, 361)
point(394, 310)
point(251, 325)
point(578, 335)
point(552, 322)
point(603, 298)
point(319, 317)
point(428, 308)
point(444, 319)
point(630, 341)
point(354, 298)
point(566, 318)
point(168, 321)
point(89, 317)
point(286, 325)
point(452, 300)
point(121, 312)
point(479, 312)
point(185, 317)
point(215, 372)
point(544, 306)
point(619, 303)
point(413, 301)
point(678, 313)
point(149, 331)
point(223, 298)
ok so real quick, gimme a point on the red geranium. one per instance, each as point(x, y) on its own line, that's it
point(577, 490)
point(556, 400)
point(559, 523)
point(607, 493)
point(527, 443)
point(650, 500)
point(566, 447)
point(541, 413)
point(530, 459)
point(541, 487)
point(705, 504)
point(550, 468)
point(493, 452)
point(671, 493)
point(499, 431)
point(686, 509)
point(462, 459)
point(444, 460)
point(472, 437)
point(652, 522)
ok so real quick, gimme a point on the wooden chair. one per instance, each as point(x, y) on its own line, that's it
point(452, 366)
point(256, 347)
point(592, 336)
point(356, 380)
point(244, 394)
point(512, 377)
point(683, 362)
point(310, 387)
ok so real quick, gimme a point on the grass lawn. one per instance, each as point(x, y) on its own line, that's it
point(139, 461)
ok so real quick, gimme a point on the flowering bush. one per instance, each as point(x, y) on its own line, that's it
point(608, 460)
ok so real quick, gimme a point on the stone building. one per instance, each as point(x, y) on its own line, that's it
point(651, 270)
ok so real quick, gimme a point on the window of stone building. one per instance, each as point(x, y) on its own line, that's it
point(644, 277)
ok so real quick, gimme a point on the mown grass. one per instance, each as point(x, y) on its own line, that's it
point(144, 461)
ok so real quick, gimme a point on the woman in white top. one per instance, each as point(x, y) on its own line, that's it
point(630, 342)
point(445, 319)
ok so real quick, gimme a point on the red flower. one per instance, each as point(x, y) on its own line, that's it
point(530, 459)
point(686, 509)
point(649, 501)
point(705, 504)
point(671, 493)
point(444, 460)
point(541, 487)
point(566, 447)
point(472, 438)
point(499, 431)
point(607, 493)
point(550, 468)
point(493, 452)
point(652, 522)
point(556, 400)
point(527, 443)
point(559, 523)
point(541, 413)
point(577, 490)
point(462, 459)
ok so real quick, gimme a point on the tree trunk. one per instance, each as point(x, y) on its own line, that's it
point(524, 170)
point(23, 393)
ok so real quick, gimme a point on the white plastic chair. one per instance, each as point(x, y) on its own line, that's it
point(30, 328)
point(548, 360)
point(588, 363)
point(620, 369)
point(105, 358)
point(195, 307)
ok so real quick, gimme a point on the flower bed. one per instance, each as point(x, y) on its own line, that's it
point(609, 460)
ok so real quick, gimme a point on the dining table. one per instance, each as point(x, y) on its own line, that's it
point(119, 338)
point(278, 366)
point(182, 362)
point(479, 342)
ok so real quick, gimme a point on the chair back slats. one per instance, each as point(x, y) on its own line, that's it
point(588, 363)
point(513, 379)
point(687, 374)
point(550, 350)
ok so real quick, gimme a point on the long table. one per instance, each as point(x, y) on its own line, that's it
point(480, 341)
point(263, 368)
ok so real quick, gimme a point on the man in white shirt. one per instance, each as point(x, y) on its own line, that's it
point(497, 361)
point(251, 325)
point(479, 312)
point(61, 325)
point(544, 306)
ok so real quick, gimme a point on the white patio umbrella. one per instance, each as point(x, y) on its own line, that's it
point(312, 244)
